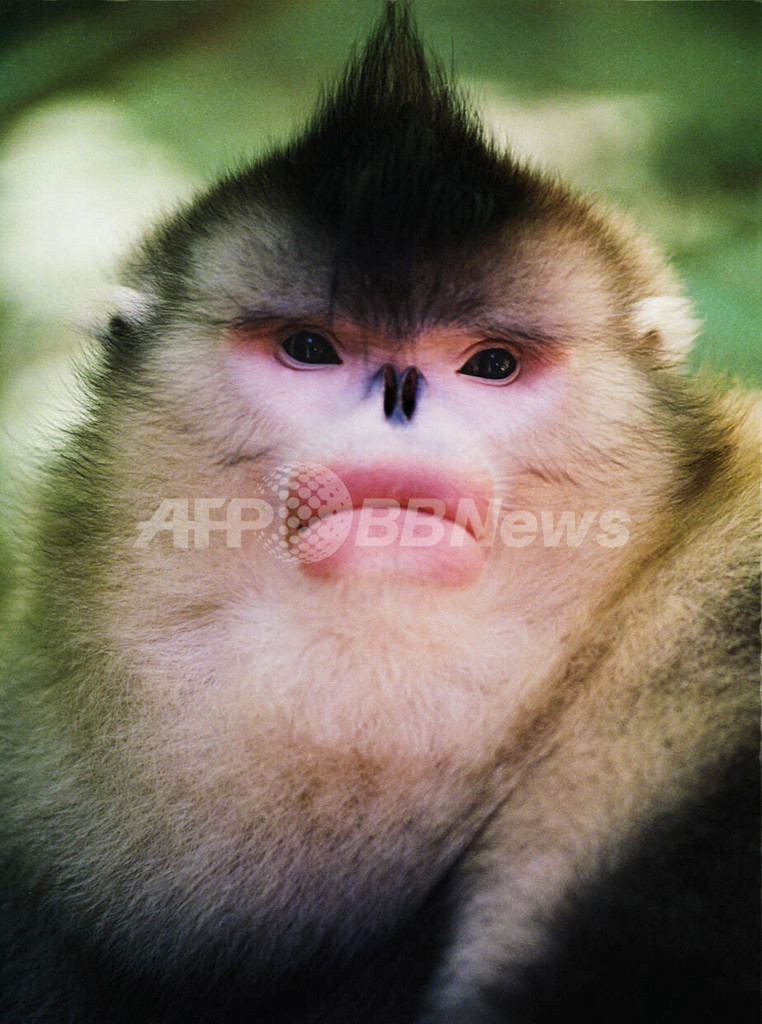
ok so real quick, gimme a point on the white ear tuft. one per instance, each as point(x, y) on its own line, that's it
point(135, 306)
point(671, 318)
point(97, 306)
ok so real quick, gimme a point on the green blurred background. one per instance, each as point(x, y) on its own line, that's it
point(111, 111)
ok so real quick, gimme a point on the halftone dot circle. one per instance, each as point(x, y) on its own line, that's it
point(308, 497)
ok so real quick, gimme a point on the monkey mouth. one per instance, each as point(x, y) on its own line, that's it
point(406, 522)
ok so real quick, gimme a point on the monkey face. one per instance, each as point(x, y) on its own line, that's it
point(462, 450)
point(394, 422)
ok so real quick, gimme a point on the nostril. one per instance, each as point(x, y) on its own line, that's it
point(409, 391)
point(390, 390)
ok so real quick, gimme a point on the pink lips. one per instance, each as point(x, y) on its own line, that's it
point(411, 522)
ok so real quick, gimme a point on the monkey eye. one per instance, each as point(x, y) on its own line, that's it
point(310, 349)
point(496, 364)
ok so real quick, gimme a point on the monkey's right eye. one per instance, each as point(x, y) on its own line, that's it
point(310, 349)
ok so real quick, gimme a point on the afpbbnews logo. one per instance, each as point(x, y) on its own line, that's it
point(306, 533)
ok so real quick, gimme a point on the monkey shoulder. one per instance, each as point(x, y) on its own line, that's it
point(665, 930)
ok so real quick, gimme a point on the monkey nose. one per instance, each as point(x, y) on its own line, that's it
point(400, 392)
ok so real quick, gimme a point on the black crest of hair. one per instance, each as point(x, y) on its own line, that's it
point(393, 169)
point(394, 165)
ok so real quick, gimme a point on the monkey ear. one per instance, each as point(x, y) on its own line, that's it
point(124, 318)
point(666, 324)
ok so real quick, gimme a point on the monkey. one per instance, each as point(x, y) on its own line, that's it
point(385, 646)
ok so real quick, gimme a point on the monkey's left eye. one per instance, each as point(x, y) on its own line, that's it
point(496, 364)
point(310, 349)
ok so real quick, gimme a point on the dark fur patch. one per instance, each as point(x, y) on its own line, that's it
point(670, 936)
point(395, 167)
point(121, 341)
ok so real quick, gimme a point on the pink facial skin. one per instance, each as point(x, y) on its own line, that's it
point(410, 522)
